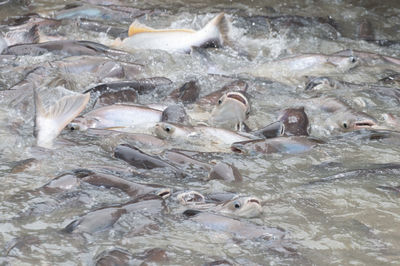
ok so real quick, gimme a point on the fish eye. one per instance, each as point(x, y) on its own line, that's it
point(219, 101)
point(345, 125)
point(236, 205)
point(352, 59)
point(168, 129)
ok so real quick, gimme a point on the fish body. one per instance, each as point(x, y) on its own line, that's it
point(117, 116)
point(198, 134)
point(289, 70)
point(174, 40)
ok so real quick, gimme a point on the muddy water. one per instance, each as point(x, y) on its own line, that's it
point(344, 219)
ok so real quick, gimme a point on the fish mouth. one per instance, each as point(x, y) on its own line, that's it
point(253, 200)
point(364, 124)
point(238, 97)
point(164, 193)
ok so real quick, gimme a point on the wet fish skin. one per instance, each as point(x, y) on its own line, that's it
point(117, 116)
point(139, 159)
point(212, 98)
point(231, 110)
point(226, 172)
point(290, 145)
point(242, 206)
point(175, 40)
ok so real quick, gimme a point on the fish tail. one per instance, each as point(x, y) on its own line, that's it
point(50, 122)
point(220, 22)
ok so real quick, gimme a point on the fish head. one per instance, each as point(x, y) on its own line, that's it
point(319, 83)
point(190, 197)
point(163, 192)
point(242, 206)
point(295, 122)
point(345, 63)
point(351, 120)
point(79, 123)
point(166, 130)
point(232, 108)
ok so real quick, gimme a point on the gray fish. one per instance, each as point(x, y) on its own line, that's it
point(238, 206)
point(292, 122)
point(291, 145)
point(104, 218)
point(224, 171)
point(238, 228)
point(212, 98)
point(293, 69)
point(139, 159)
point(62, 47)
point(231, 110)
point(121, 257)
point(118, 116)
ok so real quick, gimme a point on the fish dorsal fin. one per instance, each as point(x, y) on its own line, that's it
point(50, 122)
point(137, 27)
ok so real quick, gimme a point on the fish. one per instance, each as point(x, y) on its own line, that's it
point(104, 218)
point(198, 134)
point(61, 47)
point(212, 98)
point(213, 34)
point(241, 206)
point(117, 116)
point(240, 229)
point(292, 122)
point(237, 206)
point(49, 122)
point(120, 257)
point(231, 110)
point(224, 171)
point(291, 70)
point(139, 159)
point(290, 145)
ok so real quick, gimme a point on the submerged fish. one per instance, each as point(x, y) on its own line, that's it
point(289, 70)
point(50, 122)
point(117, 116)
point(291, 145)
point(231, 111)
point(175, 40)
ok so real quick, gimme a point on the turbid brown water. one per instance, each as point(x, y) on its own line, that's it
point(337, 204)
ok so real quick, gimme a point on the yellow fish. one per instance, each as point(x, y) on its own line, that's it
point(175, 40)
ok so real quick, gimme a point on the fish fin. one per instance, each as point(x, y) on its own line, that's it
point(137, 27)
point(221, 23)
point(50, 122)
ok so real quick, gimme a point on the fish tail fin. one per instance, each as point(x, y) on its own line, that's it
point(220, 22)
point(50, 122)
point(137, 27)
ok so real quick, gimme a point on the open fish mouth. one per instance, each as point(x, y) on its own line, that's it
point(253, 200)
point(364, 124)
